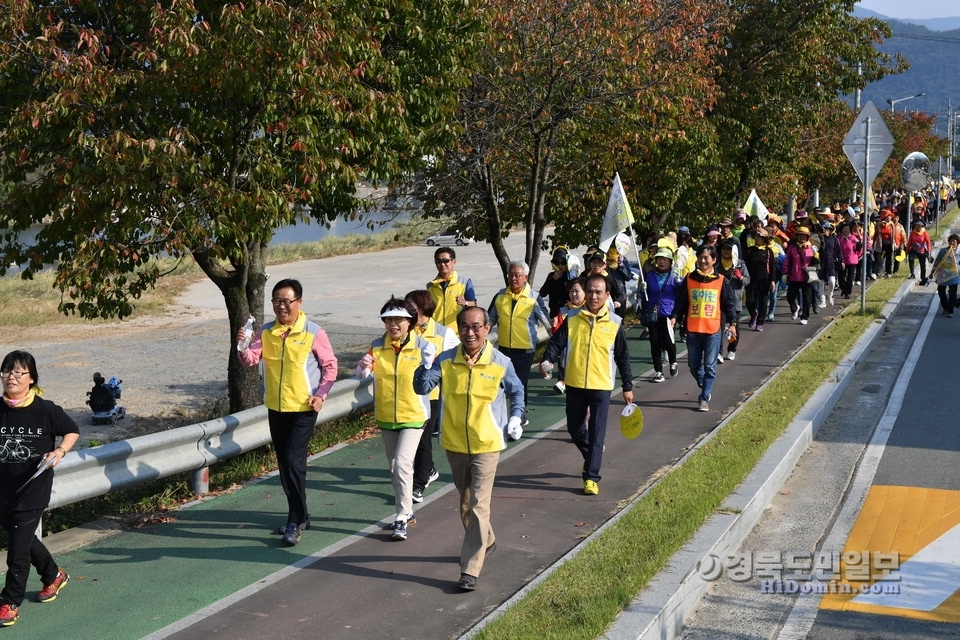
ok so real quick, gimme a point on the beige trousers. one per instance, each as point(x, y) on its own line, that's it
point(473, 475)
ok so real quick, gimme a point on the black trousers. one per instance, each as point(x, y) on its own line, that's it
point(522, 360)
point(846, 278)
point(804, 290)
point(588, 434)
point(948, 297)
point(24, 550)
point(923, 263)
point(758, 296)
point(291, 432)
point(423, 460)
point(660, 341)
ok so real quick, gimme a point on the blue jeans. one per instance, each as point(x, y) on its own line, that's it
point(702, 350)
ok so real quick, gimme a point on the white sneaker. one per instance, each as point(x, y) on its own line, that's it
point(803, 321)
point(857, 283)
point(719, 359)
point(658, 377)
point(831, 301)
point(731, 356)
point(823, 302)
point(795, 314)
point(560, 386)
point(873, 276)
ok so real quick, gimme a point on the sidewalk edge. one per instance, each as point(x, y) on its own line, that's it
point(661, 609)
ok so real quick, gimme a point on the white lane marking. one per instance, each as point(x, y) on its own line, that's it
point(927, 579)
point(804, 612)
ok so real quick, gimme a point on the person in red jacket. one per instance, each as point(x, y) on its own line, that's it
point(919, 247)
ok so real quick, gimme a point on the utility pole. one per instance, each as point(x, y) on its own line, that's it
point(950, 136)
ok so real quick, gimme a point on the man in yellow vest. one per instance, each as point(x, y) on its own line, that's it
point(592, 341)
point(515, 311)
point(481, 401)
point(450, 290)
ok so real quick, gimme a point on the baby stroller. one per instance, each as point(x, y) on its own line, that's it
point(103, 400)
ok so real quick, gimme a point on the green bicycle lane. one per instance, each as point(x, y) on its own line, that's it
point(221, 552)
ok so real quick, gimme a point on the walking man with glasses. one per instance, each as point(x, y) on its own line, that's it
point(299, 371)
point(516, 311)
point(450, 290)
point(481, 401)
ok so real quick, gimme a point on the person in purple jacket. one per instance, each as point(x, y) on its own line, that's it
point(662, 284)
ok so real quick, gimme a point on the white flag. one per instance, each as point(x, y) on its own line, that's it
point(618, 216)
point(753, 206)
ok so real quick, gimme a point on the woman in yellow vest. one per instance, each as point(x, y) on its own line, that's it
point(400, 412)
point(432, 331)
point(709, 304)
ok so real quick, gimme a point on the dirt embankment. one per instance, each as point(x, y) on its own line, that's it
point(171, 365)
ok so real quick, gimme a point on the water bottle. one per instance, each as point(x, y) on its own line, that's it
point(247, 335)
point(728, 335)
point(547, 370)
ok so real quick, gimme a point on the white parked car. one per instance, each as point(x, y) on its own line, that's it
point(447, 238)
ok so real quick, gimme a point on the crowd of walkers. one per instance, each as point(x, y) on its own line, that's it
point(437, 372)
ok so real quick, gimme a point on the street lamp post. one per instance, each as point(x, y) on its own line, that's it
point(893, 103)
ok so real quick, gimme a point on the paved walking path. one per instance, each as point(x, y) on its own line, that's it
point(216, 568)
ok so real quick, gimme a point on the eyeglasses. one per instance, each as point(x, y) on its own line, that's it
point(516, 276)
point(443, 260)
point(471, 328)
point(286, 304)
point(16, 375)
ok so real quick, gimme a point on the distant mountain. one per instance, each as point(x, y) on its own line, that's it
point(934, 69)
point(934, 24)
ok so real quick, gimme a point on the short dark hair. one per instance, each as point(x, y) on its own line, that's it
point(447, 250)
point(596, 276)
point(289, 283)
point(423, 301)
point(464, 310)
point(952, 236)
point(396, 303)
point(23, 358)
point(709, 248)
point(577, 281)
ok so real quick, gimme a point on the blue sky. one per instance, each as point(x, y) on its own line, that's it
point(914, 10)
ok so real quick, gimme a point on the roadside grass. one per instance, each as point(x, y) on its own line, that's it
point(583, 596)
point(27, 303)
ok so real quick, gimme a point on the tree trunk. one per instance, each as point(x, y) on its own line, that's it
point(243, 289)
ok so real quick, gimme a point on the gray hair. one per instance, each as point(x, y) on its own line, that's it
point(521, 264)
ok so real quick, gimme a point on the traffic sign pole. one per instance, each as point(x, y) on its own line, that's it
point(869, 136)
point(866, 220)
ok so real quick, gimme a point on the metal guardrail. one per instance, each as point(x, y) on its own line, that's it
point(89, 473)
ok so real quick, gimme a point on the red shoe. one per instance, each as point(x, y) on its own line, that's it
point(9, 615)
point(50, 591)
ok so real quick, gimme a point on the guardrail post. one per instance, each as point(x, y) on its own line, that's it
point(200, 481)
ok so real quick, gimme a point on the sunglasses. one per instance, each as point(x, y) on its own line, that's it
point(442, 261)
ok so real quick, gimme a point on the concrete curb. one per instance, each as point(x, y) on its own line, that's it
point(675, 593)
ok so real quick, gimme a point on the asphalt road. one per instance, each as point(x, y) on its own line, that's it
point(879, 489)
